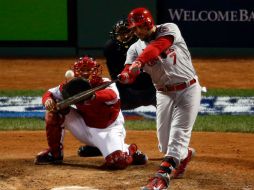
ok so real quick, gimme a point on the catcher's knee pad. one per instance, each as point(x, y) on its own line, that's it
point(118, 160)
point(53, 118)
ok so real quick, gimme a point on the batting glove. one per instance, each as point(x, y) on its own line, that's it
point(124, 77)
point(135, 67)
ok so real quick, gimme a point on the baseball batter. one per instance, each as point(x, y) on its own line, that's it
point(162, 52)
point(97, 121)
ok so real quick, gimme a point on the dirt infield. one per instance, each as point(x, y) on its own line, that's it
point(45, 73)
point(224, 160)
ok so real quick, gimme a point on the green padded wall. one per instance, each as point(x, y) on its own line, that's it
point(96, 18)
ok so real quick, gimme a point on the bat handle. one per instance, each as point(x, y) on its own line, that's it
point(59, 107)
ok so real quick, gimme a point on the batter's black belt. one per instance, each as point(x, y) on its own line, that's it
point(177, 87)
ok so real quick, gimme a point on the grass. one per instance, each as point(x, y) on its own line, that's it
point(225, 123)
point(12, 93)
point(210, 92)
point(229, 92)
point(212, 123)
point(8, 124)
point(219, 123)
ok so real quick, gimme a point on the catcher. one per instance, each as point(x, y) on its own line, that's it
point(96, 121)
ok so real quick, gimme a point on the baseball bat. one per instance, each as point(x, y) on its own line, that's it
point(81, 96)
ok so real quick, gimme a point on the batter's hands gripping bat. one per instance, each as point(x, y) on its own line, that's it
point(81, 96)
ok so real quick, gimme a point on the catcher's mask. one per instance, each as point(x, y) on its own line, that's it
point(75, 86)
point(122, 34)
point(140, 16)
point(88, 68)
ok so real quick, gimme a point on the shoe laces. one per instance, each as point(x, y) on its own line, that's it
point(138, 152)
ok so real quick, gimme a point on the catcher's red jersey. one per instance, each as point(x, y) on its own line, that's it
point(101, 111)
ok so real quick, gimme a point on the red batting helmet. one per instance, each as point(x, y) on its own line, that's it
point(140, 16)
point(88, 68)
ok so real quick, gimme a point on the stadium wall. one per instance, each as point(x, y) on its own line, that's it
point(67, 28)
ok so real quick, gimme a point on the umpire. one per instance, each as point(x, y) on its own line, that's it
point(142, 91)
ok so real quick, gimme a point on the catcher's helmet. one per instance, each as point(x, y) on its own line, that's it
point(121, 34)
point(88, 68)
point(139, 16)
point(75, 86)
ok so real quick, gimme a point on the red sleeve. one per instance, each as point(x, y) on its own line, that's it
point(105, 95)
point(46, 96)
point(126, 68)
point(155, 48)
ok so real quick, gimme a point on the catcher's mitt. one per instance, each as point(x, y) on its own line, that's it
point(75, 86)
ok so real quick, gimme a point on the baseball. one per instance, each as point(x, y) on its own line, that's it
point(69, 74)
point(203, 89)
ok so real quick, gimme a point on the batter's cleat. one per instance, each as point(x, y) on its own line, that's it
point(159, 182)
point(180, 170)
point(46, 157)
point(89, 151)
point(139, 158)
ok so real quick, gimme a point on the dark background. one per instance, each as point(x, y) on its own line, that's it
point(68, 28)
point(226, 34)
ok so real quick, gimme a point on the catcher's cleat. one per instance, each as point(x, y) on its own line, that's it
point(159, 182)
point(89, 151)
point(139, 158)
point(132, 149)
point(46, 157)
point(180, 170)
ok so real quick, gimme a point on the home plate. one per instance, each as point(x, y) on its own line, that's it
point(73, 188)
